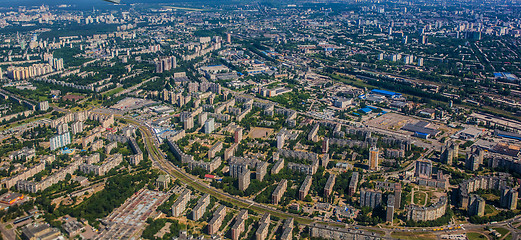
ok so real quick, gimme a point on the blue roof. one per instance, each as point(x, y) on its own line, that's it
point(509, 136)
point(420, 133)
point(365, 110)
point(385, 92)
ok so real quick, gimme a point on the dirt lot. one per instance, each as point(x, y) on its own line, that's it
point(394, 122)
point(391, 121)
point(259, 132)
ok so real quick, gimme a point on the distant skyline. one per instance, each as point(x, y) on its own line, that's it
point(79, 3)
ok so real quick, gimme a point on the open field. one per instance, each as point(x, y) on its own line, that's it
point(113, 91)
point(259, 132)
point(413, 236)
point(475, 236)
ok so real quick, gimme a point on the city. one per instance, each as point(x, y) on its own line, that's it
point(260, 120)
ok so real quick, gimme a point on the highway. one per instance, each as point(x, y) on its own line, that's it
point(157, 157)
point(159, 160)
point(151, 144)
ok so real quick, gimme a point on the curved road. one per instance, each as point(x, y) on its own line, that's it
point(159, 160)
point(157, 157)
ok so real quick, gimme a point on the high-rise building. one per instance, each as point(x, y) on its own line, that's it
point(280, 140)
point(353, 183)
point(423, 169)
point(508, 198)
point(187, 119)
point(474, 158)
point(236, 169)
point(287, 229)
point(76, 127)
point(472, 162)
point(237, 136)
point(57, 63)
point(262, 231)
point(427, 213)
point(202, 118)
point(279, 191)
point(238, 227)
point(304, 188)
point(42, 106)
point(59, 141)
point(18, 73)
point(261, 169)
point(408, 59)
point(449, 152)
point(381, 56)
point(390, 209)
point(476, 205)
point(209, 126)
point(192, 87)
point(370, 198)
point(229, 38)
point(313, 135)
point(200, 208)
point(165, 64)
point(397, 195)
point(424, 39)
point(244, 180)
point(328, 188)
point(180, 203)
point(373, 158)
point(62, 128)
point(217, 219)
point(325, 145)
point(215, 88)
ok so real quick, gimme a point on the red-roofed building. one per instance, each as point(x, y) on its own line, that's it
point(73, 98)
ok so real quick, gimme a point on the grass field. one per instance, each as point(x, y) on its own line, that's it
point(376, 231)
point(419, 198)
point(413, 236)
point(490, 210)
point(503, 231)
point(24, 121)
point(113, 91)
point(475, 236)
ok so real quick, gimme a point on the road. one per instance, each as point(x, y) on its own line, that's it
point(151, 144)
point(159, 160)
point(7, 233)
point(157, 157)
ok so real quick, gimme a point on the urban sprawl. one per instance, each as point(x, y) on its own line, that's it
point(261, 120)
